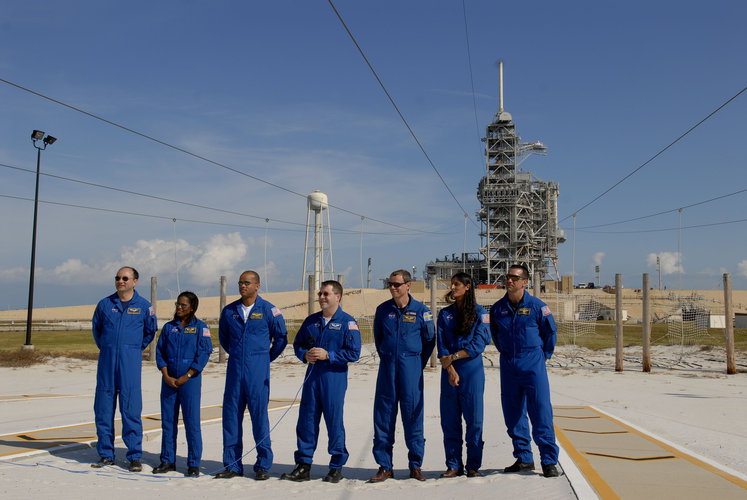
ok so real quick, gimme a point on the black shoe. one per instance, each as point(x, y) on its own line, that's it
point(193, 472)
point(103, 462)
point(333, 476)
point(261, 475)
point(227, 474)
point(550, 470)
point(302, 472)
point(520, 466)
point(473, 473)
point(136, 466)
point(164, 467)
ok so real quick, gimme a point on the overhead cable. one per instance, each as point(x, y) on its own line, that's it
point(401, 116)
point(195, 155)
point(655, 156)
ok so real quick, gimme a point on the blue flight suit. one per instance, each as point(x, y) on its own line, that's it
point(251, 346)
point(326, 383)
point(526, 338)
point(179, 349)
point(466, 399)
point(404, 341)
point(121, 335)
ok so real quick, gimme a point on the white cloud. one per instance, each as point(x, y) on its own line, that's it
point(219, 256)
point(668, 260)
point(742, 268)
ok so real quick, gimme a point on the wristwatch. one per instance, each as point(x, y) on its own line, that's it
point(455, 356)
point(189, 375)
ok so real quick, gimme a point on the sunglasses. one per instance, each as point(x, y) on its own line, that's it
point(513, 277)
point(122, 278)
point(181, 306)
point(245, 283)
point(395, 285)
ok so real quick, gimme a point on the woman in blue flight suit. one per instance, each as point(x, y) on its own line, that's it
point(182, 352)
point(463, 333)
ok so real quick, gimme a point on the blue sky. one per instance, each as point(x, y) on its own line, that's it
point(277, 90)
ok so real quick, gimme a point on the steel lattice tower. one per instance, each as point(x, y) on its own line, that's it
point(518, 213)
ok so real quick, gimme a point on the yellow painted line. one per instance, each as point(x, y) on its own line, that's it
point(739, 482)
point(603, 489)
point(595, 432)
point(638, 459)
point(31, 397)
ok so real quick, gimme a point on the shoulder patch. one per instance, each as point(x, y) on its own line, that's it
point(352, 325)
point(486, 318)
point(276, 311)
point(428, 316)
point(151, 311)
point(206, 332)
point(546, 311)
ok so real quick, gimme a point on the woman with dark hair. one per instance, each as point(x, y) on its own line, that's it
point(463, 333)
point(182, 352)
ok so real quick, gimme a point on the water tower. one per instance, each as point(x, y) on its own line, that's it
point(317, 203)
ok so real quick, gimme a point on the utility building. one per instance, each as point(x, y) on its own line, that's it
point(518, 214)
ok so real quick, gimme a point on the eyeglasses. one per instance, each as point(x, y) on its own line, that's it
point(245, 283)
point(324, 294)
point(179, 305)
point(122, 278)
point(395, 284)
point(513, 277)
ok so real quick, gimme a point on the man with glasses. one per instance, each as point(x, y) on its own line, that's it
point(123, 325)
point(252, 331)
point(524, 332)
point(327, 340)
point(405, 336)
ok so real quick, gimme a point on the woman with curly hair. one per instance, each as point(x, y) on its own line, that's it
point(463, 333)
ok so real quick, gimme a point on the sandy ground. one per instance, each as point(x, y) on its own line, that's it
point(687, 400)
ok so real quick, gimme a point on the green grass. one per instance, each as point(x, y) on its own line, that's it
point(604, 337)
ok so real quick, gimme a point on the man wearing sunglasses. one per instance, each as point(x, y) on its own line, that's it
point(252, 331)
point(123, 325)
point(524, 332)
point(405, 336)
point(327, 340)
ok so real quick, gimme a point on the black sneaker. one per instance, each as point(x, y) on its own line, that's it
point(227, 474)
point(164, 467)
point(302, 472)
point(550, 470)
point(193, 472)
point(333, 476)
point(520, 466)
point(103, 462)
point(136, 466)
point(261, 475)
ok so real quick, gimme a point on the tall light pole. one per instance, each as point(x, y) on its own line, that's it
point(36, 136)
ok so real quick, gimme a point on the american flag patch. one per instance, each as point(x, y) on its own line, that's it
point(275, 311)
point(546, 311)
point(352, 325)
point(152, 311)
point(486, 318)
point(206, 332)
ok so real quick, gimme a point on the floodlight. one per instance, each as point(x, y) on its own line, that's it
point(37, 135)
point(49, 139)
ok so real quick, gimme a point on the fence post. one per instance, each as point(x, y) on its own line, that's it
point(731, 367)
point(646, 324)
point(618, 323)
point(221, 351)
point(536, 284)
point(341, 280)
point(434, 311)
point(312, 294)
point(154, 303)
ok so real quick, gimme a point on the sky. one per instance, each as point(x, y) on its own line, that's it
point(238, 110)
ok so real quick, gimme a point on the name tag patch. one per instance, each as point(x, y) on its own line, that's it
point(409, 318)
point(256, 316)
point(133, 310)
point(335, 326)
point(524, 311)
point(191, 329)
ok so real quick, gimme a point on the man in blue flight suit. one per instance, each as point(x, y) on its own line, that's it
point(252, 331)
point(405, 336)
point(123, 325)
point(524, 332)
point(327, 340)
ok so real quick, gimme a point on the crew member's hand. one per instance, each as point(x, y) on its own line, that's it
point(445, 361)
point(182, 380)
point(170, 381)
point(453, 377)
point(316, 354)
